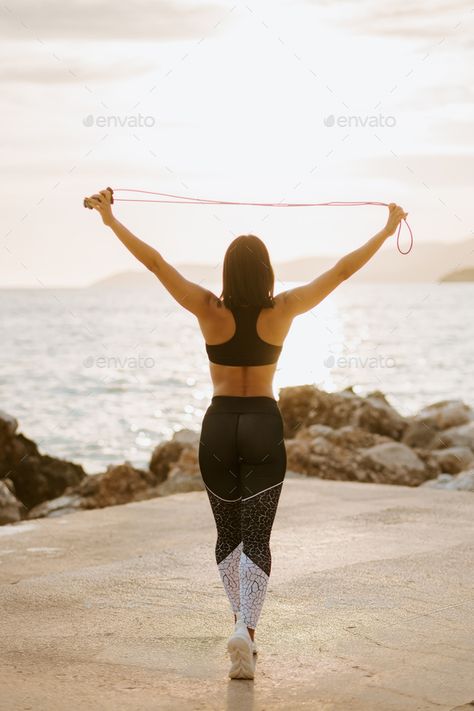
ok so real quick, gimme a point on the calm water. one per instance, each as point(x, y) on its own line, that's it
point(98, 377)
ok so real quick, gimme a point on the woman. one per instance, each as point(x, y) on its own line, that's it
point(242, 454)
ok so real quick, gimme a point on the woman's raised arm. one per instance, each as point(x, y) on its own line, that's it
point(303, 298)
point(191, 296)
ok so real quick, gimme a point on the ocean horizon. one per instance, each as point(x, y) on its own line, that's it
point(103, 376)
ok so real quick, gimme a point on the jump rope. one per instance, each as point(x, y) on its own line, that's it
point(169, 198)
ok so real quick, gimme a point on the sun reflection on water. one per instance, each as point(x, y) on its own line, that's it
point(314, 338)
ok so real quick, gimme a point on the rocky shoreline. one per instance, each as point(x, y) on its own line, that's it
point(328, 435)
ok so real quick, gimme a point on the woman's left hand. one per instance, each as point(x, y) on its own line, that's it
point(101, 202)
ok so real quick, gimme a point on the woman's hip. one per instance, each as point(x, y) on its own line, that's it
point(237, 404)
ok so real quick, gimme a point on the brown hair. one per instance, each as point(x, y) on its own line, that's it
point(248, 277)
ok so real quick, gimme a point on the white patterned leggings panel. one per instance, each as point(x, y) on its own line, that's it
point(242, 458)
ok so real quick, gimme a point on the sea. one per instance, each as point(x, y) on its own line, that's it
point(102, 376)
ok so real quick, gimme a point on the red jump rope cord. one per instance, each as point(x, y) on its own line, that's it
point(176, 199)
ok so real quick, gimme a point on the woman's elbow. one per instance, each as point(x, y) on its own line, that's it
point(154, 264)
point(343, 270)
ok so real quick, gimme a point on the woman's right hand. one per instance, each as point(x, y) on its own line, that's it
point(101, 202)
point(395, 216)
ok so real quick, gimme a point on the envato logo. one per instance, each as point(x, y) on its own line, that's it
point(117, 362)
point(115, 121)
point(379, 121)
point(358, 362)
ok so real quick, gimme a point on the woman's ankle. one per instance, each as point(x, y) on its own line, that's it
point(250, 630)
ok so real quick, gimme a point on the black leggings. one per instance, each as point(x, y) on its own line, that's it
point(242, 458)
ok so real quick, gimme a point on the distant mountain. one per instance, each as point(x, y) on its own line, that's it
point(459, 275)
point(126, 280)
point(429, 262)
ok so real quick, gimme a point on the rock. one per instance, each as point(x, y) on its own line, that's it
point(420, 434)
point(313, 431)
point(322, 458)
point(453, 459)
point(298, 452)
point(426, 428)
point(464, 481)
point(8, 424)
point(186, 437)
point(439, 482)
point(356, 438)
point(188, 462)
point(36, 477)
point(180, 483)
point(398, 463)
point(184, 476)
point(163, 458)
point(40, 477)
point(57, 507)
point(166, 454)
point(444, 414)
point(375, 414)
point(461, 436)
point(352, 454)
point(181, 451)
point(174, 468)
point(117, 485)
point(306, 405)
point(10, 507)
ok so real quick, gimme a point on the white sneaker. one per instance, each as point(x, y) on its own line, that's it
point(240, 648)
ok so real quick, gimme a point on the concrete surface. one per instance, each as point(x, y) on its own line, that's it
point(369, 606)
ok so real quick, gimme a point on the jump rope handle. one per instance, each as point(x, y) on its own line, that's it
point(86, 200)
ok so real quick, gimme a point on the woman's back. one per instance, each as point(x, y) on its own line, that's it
point(243, 345)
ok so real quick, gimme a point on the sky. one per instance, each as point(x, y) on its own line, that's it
point(250, 101)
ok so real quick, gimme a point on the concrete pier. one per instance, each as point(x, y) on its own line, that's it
point(370, 605)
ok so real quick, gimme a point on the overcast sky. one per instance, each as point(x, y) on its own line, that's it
point(255, 101)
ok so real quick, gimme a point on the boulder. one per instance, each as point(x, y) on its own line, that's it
point(8, 426)
point(174, 468)
point(166, 454)
point(306, 405)
point(444, 414)
point(427, 428)
point(184, 476)
point(397, 462)
point(117, 485)
point(36, 477)
point(186, 437)
point(322, 458)
point(453, 460)
point(180, 483)
point(461, 436)
point(355, 438)
point(464, 481)
point(420, 434)
point(313, 431)
point(352, 454)
point(57, 507)
point(10, 507)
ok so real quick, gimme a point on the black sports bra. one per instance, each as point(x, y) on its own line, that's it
point(245, 347)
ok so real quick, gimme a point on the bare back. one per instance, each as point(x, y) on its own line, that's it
point(218, 326)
